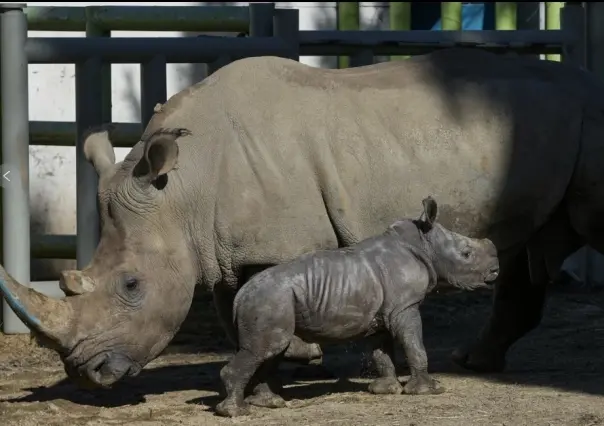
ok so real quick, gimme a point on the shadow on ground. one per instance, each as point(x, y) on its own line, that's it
point(564, 353)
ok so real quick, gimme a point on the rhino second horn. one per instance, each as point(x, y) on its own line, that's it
point(74, 282)
point(46, 317)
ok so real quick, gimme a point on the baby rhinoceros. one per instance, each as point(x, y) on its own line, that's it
point(373, 288)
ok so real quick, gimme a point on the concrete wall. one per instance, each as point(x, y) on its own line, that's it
point(52, 98)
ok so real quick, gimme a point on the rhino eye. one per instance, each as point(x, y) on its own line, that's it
point(131, 283)
point(466, 254)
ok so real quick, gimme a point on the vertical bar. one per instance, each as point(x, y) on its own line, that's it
point(93, 30)
point(572, 19)
point(89, 113)
point(505, 15)
point(286, 25)
point(15, 153)
point(93, 108)
point(153, 87)
point(400, 20)
point(552, 22)
point(450, 15)
point(348, 20)
point(261, 19)
point(595, 37)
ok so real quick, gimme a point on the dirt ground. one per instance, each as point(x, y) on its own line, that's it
point(554, 378)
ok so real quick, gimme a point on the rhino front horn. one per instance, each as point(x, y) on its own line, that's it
point(46, 317)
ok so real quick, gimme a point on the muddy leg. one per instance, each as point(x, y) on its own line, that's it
point(235, 376)
point(383, 360)
point(407, 329)
point(517, 309)
point(266, 387)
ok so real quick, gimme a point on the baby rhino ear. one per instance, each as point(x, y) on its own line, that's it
point(428, 217)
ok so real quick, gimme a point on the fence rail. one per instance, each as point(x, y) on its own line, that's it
point(139, 18)
point(271, 32)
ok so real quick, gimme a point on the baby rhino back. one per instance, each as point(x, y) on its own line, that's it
point(340, 297)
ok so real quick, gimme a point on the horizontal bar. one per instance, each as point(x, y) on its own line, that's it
point(126, 50)
point(332, 43)
point(140, 18)
point(59, 133)
point(53, 246)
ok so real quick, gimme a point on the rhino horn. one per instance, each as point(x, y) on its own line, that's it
point(46, 317)
point(74, 283)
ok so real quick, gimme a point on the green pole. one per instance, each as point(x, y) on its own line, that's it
point(505, 15)
point(400, 20)
point(552, 22)
point(450, 15)
point(348, 20)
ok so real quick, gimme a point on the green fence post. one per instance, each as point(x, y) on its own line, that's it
point(348, 20)
point(400, 20)
point(552, 22)
point(450, 16)
point(505, 15)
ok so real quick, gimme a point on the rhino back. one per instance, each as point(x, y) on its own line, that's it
point(495, 143)
point(290, 158)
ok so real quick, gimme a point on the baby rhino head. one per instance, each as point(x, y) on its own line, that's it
point(460, 261)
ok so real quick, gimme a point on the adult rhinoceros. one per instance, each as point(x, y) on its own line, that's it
point(268, 159)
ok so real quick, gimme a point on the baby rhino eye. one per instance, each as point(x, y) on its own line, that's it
point(466, 253)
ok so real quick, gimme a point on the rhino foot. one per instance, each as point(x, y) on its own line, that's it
point(385, 386)
point(266, 400)
point(229, 408)
point(479, 359)
point(423, 385)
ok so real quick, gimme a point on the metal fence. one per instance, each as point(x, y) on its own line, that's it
point(271, 31)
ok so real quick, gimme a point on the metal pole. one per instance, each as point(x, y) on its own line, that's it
point(89, 113)
point(348, 18)
point(286, 24)
point(15, 153)
point(153, 87)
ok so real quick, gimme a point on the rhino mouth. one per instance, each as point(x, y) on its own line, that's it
point(103, 370)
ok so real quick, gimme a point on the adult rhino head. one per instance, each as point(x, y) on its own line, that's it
point(113, 319)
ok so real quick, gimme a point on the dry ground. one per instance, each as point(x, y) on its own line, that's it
point(554, 378)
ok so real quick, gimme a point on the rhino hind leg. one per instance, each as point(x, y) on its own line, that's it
point(517, 309)
point(266, 386)
point(383, 359)
point(224, 292)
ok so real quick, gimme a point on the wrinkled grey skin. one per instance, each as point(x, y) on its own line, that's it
point(268, 159)
point(373, 288)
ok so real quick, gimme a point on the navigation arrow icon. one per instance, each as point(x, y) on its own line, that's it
point(5, 176)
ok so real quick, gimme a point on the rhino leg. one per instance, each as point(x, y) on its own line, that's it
point(406, 328)
point(383, 359)
point(517, 309)
point(235, 377)
point(266, 385)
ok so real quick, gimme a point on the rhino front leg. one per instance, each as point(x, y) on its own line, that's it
point(383, 359)
point(517, 309)
point(407, 329)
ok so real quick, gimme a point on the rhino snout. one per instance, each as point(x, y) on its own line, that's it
point(103, 370)
point(492, 273)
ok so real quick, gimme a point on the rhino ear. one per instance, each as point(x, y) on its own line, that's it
point(429, 214)
point(160, 153)
point(98, 149)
